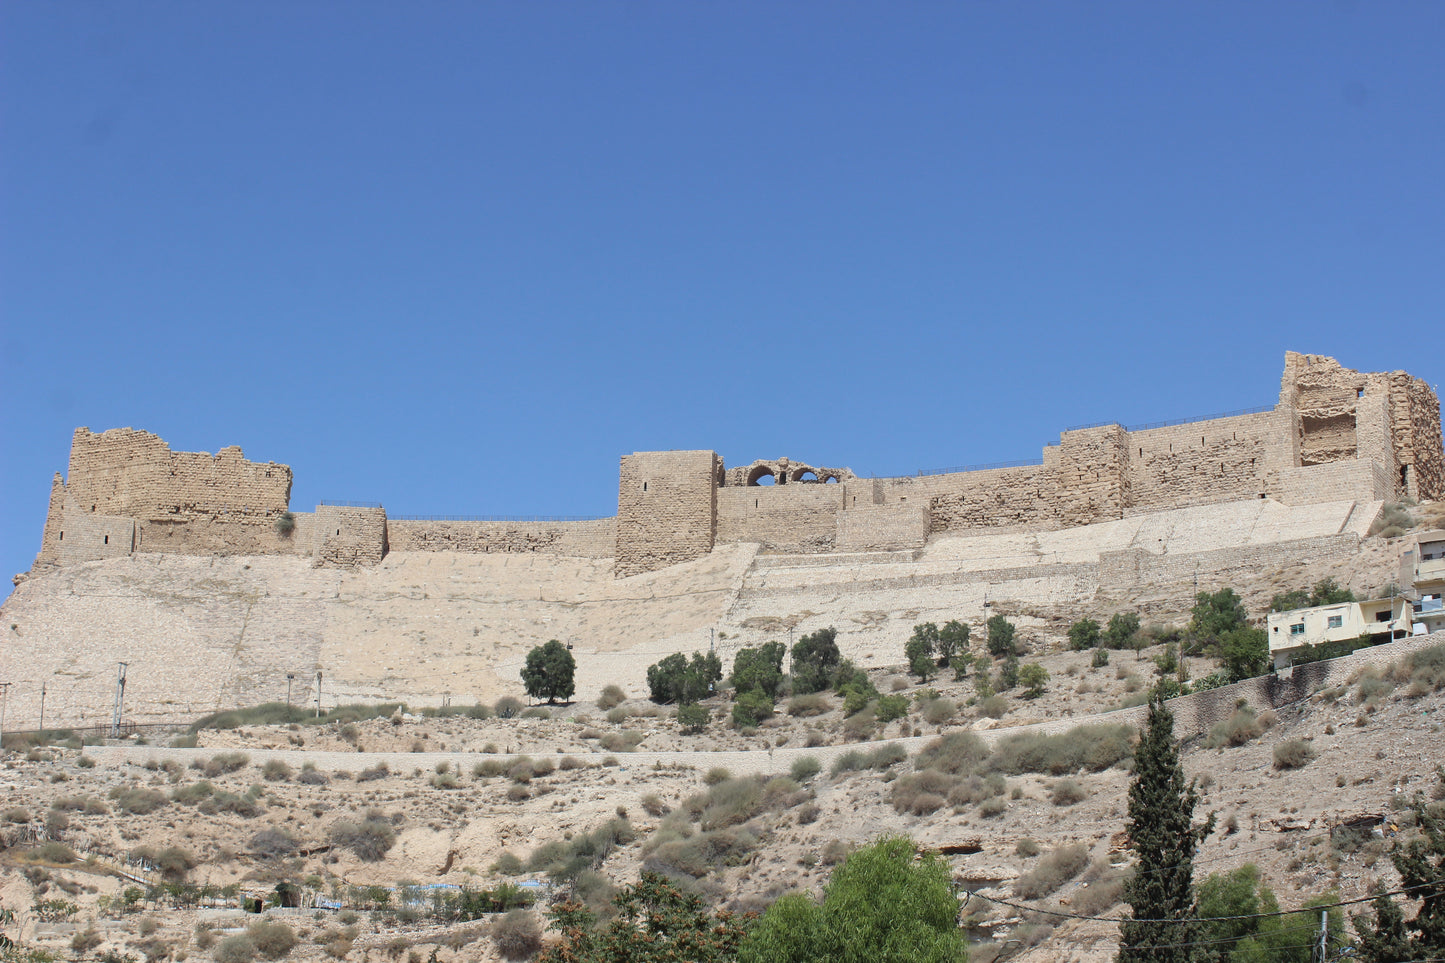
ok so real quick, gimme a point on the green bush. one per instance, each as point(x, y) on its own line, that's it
point(276, 771)
point(938, 711)
point(921, 793)
point(1091, 748)
point(751, 708)
point(1101, 658)
point(805, 768)
point(1083, 635)
point(1067, 792)
point(1034, 678)
point(517, 935)
point(235, 949)
point(891, 707)
point(994, 706)
point(137, 801)
point(692, 718)
point(225, 762)
point(1241, 727)
point(508, 707)
point(810, 704)
point(957, 753)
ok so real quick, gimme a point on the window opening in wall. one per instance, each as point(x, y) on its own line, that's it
point(338, 531)
point(62, 536)
point(1297, 629)
point(92, 508)
point(1335, 621)
point(1141, 453)
point(644, 486)
point(1201, 439)
point(831, 480)
point(755, 503)
point(107, 540)
point(1404, 476)
point(1359, 392)
point(806, 476)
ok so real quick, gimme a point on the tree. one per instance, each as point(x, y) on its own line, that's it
point(1034, 678)
point(952, 641)
point(1245, 653)
point(655, 922)
point(919, 649)
point(1325, 592)
point(1164, 838)
point(1123, 628)
point(1000, 637)
point(675, 679)
point(1008, 673)
point(751, 708)
point(1083, 634)
point(549, 672)
point(759, 669)
point(815, 657)
point(1216, 613)
point(883, 905)
point(692, 718)
point(1420, 861)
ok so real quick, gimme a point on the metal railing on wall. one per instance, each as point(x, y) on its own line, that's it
point(1175, 421)
point(1025, 463)
point(497, 518)
point(338, 503)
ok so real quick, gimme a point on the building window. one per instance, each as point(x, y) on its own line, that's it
point(644, 486)
point(1335, 622)
point(107, 539)
point(1297, 629)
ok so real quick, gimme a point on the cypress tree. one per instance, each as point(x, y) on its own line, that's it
point(1164, 838)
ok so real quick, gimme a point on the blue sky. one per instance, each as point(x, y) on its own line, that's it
point(460, 257)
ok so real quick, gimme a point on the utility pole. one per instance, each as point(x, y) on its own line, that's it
point(289, 677)
point(318, 693)
point(119, 700)
point(42, 707)
point(1322, 949)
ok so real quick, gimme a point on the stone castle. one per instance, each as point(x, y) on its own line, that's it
point(1335, 435)
point(191, 569)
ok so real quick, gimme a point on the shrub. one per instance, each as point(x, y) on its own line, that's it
point(1425, 668)
point(312, 777)
point(1067, 792)
point(993, 806)
point(1052, 871)
point(272, 841)
point(812, 704)
point(137, 801)
point(1092, 748)
point(508, 864)
point(1097, 897)
point(958, 753)
point(229, 802)
point(84, 942)
point(1101, 658)
point(508, 707)
point(653, 805)
point(517, 935)
point(272, 940)
point(938, 711)
point(751, 708)
point(1083, 634)
point(921, 793)
point(1293, 754)
point(808, 813)
point(236, 949)
point(1028, 848)
point(174, 863)
point(692, 718)
point(731, 802)
point(805, 768)
point(612, 695)
point(994, 706)
point(1241, 727)
point(891, 707)
point(225, 762)
point(536, 712)
point(1034, 678)
point(53, 852)
point(624, 741)
point(276, 771)
point(17, 814)
point(379, 771)
point(369, 839)
point(488, 768)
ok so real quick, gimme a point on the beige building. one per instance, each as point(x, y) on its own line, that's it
point(1422, 572)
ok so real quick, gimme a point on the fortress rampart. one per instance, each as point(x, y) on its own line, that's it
point(1336, 435)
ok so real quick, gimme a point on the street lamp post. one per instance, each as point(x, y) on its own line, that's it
point(289, 677)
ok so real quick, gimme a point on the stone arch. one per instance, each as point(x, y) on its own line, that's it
point(804, 474)
point(830, 479)
point(758, 472)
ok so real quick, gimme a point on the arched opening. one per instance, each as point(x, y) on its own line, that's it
point(830, 479)
point(804, 475)
point(761, 475)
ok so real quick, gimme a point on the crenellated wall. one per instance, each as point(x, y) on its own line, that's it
point(595, 538)
point(666, 509)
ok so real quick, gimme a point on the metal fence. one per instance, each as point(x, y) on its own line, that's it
point(342, 503)
point(1175, 421)
point(497, 518)
point(1025, 463)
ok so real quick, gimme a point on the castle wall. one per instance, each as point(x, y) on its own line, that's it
point(1222, 459)
point(135, 474)
point(1360, 481)
point(54, 524)
point(783, 518)
point(87, 538)
point(1093, 475)
point(1415, 413)
point(582, 539)
point(666, 509)
point(876, 528)
point(348, 536)
point(998, 497)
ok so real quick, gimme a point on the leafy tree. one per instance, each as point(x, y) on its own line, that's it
point(1008, 673)
point(960, 665)
point(815, 658)
point(1245, 653)
point(1288, 938)
point(692, 718)
point(1216, 613)
point(1325, 592)
point(919, 650)
point(1000, 637)
point(1123, 629)
point(1167, 661)
point(655, 923)
point(1383, 939)
point(1034, 678)
point(952, 641)
point(1101, 658)
point(1164, 838)
point(675, 679)
point(549, 672)
point(883, 905)
point(1420, 861)
point(759, 669)
point(1234, 893)
point(1083, 634)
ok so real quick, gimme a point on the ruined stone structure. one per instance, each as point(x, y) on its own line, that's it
point(1336, 435)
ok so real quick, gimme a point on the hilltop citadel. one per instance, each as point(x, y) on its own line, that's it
point(194, 568)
